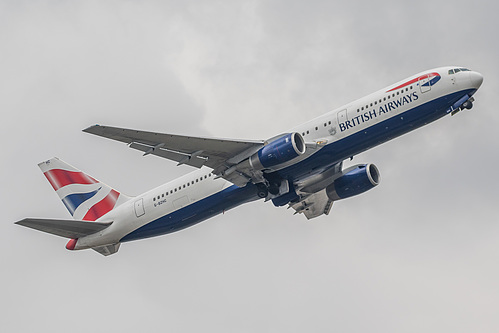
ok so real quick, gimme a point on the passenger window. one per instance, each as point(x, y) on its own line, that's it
point(330, 122)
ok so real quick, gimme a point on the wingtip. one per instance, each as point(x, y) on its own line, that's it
point(23, 222)
point(90, 128)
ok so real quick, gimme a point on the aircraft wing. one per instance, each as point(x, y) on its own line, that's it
point(218, 154)
point(194, 151)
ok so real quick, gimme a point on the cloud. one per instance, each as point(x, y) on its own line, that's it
point(413, 252)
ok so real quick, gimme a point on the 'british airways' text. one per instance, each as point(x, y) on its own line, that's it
point(372, 114)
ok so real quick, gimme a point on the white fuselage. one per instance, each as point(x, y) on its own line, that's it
point(347, 130)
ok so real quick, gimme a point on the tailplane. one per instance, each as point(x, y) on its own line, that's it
point(86, 198)
point(72, 229)
point(65, 228)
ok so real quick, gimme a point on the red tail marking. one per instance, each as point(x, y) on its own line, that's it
point(59, 178)
point(102, 207)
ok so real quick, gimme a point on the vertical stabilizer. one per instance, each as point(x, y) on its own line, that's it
point(85, 197)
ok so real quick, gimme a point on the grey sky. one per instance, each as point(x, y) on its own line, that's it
point(418, 253)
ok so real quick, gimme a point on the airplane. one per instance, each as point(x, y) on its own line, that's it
point(301, 168)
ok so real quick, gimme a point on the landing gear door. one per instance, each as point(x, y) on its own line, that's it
point(424, 83)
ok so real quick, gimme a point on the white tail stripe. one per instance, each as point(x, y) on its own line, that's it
point(85, 206)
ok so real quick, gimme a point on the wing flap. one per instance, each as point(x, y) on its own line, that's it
point(313, 205)
point(182, 158)
point(64, 228)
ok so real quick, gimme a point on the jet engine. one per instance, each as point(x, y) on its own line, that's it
point(276, 152)
point(356, 180)
point(279, 151)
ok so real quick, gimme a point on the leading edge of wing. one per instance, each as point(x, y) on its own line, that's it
point(152, 138)
point(177, 147)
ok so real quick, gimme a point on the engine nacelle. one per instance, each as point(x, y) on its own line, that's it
point(279, 151)
point(355, 180)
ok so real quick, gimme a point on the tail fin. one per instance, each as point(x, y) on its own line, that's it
point(85, 197)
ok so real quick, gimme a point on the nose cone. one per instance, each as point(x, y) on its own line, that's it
point(476, 79)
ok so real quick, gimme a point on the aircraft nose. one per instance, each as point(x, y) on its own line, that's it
point(476, 79)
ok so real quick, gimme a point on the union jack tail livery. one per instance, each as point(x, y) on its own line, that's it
point(86, 198)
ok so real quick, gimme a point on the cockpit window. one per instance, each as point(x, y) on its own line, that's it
point(457, 70)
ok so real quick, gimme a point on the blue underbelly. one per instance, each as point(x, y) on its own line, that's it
point(196, 212)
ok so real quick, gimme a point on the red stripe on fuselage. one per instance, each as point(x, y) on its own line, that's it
point(414, 80)
point(59, 178)
point(102, 207)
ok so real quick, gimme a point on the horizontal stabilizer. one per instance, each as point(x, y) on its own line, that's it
point(65, 228)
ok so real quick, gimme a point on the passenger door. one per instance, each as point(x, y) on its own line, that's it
point(342, 116)
point(424, 83)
